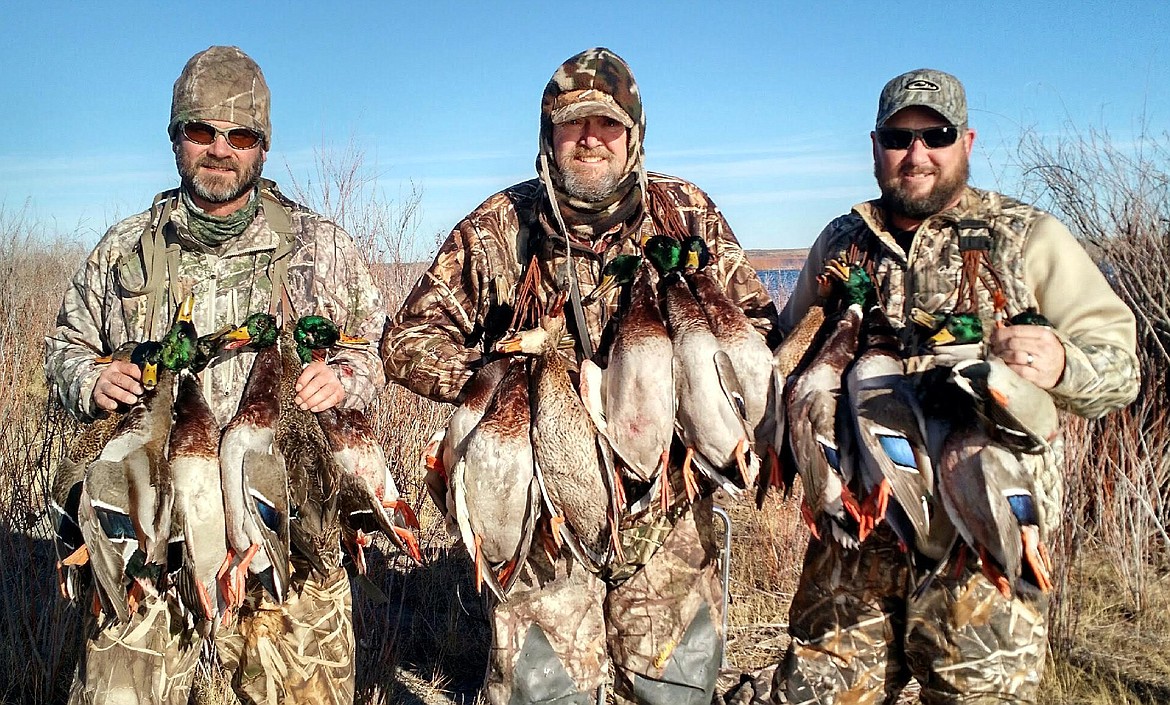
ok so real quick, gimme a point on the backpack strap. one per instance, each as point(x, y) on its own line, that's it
point(160, 260)
point(279, 218)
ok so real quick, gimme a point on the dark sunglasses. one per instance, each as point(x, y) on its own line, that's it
point(237, 137)
point(902, 137)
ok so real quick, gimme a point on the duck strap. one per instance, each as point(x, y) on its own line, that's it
point(975, 241)
point(580, 325)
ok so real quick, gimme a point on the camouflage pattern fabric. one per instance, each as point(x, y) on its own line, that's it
point(326, 275)
point(301, 651)
point(554, 637)
point(149, 660)
point(462, 304)
point(857, 636)
point(222, 83)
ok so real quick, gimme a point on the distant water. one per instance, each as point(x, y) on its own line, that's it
point(779, 282)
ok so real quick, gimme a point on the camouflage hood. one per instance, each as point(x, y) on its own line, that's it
point(594, 82)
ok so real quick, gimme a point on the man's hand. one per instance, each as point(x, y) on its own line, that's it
point(1034, 352)
point(120, 383)
point(318, 387)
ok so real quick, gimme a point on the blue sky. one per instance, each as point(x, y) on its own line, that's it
point(766, 105)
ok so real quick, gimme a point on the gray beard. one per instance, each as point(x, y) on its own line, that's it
point(214, 192)
point(896, 201)
point(589, 190)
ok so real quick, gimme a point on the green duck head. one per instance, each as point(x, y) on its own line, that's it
point(664, 253)
point(146, 356)
point(695, 254)
point(207, 347)
point(178, 345)
point(1030, 317)
point(618, 272)
point(855, 283)
point(949, 328)
point(320, 333)
point(258, 331)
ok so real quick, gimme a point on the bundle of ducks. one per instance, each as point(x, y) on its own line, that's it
point(680, 408)
point(158, 500)
point(918, 428)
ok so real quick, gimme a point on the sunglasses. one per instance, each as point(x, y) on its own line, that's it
point(237, 137)
point(902, 137)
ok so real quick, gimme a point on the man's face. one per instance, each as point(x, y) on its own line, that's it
point(591, 155)
point(918, 182)
point(217, 174)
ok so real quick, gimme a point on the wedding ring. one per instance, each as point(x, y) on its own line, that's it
point(1029, 359)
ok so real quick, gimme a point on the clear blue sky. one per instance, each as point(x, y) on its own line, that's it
point(766, 105)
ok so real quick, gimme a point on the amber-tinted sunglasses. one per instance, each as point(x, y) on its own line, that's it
point(237, 137)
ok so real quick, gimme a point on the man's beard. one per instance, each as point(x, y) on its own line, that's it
point(897, 201)
point(588, 186)
point(221, 189)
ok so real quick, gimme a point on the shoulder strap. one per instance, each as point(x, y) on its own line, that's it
point(160, 260)
point(278, 217)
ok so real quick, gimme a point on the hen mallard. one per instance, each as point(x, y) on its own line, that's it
point(573, 463)
point(710, 416)
point(811, 410)
point(638, 388)
point(493, 494)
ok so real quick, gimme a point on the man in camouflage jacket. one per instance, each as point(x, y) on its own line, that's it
point(858, 635)
point(659, 623)
point(228, 237)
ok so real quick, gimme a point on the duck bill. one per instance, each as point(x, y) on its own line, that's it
point(186, 309)
point(943, 337)
point(150, 375)
point(510, 345)
point(608, 283)
point(349, 341)
point(691, 263)
point(236, 338)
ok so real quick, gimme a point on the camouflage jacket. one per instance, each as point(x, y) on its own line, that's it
point(463, 302)
point(1041, 265)
point(102, 309)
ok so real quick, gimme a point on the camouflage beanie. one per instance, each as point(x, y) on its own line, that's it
point(222, 83)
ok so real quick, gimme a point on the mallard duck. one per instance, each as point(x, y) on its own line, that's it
point(744, 344)
point(988, 494)
point(444, 447)
point(65, 493)
point(710, 416)
point(253, 475)
point(493, 494)
point(1016, 412)
point(573, 462)
point(811, 401)
point(369, 498)
point(193, 454)
point(891, 436)
point(126, 503)
point(638, 388)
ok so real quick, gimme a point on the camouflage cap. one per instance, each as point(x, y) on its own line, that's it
point(927, 88)
point(222, 83)
point(594, 82)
